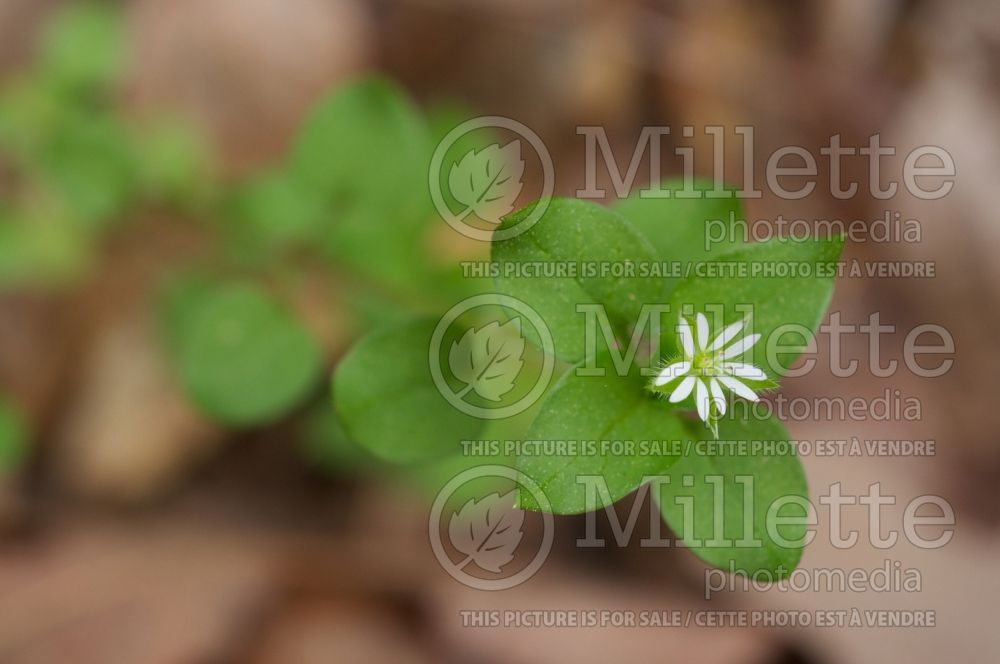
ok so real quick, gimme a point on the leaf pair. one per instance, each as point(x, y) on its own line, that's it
point(723, 282)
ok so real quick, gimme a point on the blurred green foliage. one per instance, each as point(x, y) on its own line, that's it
point(243, 358)
point(13, 437)
point(82, 48)
point(363, 154)
point(74, 164)
point(349, 202)
point(385, 394)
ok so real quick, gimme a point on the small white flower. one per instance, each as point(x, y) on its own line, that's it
point(706, 368)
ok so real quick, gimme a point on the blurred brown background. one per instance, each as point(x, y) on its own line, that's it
point(137, 532)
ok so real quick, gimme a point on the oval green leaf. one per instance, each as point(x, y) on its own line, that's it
point(243, 358)
point(616, 433)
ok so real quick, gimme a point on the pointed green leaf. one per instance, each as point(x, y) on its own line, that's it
point(786, 286)
point(738, 502)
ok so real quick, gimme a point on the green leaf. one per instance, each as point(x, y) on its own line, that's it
point(363, 153)
point(90, 165)
point(242, 357)
point(275, 211)
point(779, 282)
point(388, 401)
point(31, 112)
point(685, 230)
point(13, 437)
point(173, 162)
point(41, 245)
point(589, 410)
point(488, 181)
point(734, 532)
point(489, 359)
point(432, 476)
point(573, 233)
point(82, 45)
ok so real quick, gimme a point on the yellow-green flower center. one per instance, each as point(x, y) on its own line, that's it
point(708, 364)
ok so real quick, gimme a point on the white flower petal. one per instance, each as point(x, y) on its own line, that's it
point(717, 396)
point(687, 339)
point(702, 324)
point(727, 335)
point(701, 399)
point(743, 370)
point(683, 390)
point(740, 347)
point(673, 371)
point(739, 388)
